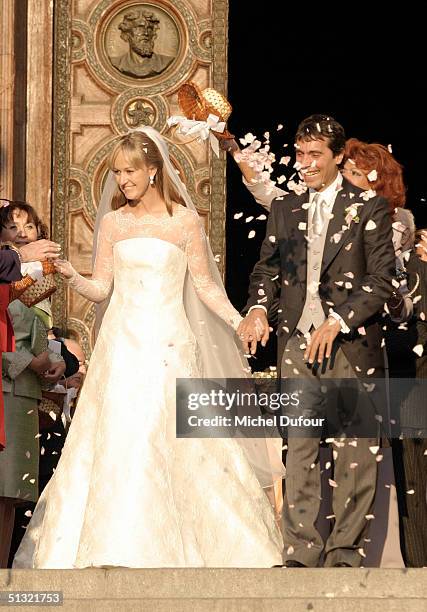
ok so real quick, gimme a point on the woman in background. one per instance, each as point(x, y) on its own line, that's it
point(22, 374)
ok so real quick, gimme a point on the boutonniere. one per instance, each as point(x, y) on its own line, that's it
point(352, 215)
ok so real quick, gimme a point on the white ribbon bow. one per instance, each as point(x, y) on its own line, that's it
point(33, 269)
point(201, 129)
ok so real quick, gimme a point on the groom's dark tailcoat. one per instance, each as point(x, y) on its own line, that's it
point(358, 255)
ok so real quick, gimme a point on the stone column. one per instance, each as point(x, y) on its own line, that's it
point(39, 106)
point(7, 78)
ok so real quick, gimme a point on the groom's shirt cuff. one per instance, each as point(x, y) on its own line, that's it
point(258, 306)
point(344, 327)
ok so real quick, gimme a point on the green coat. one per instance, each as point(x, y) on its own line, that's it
point(31, 340)
point(19, 462)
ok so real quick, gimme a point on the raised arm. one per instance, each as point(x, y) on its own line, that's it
point(251, 178)
point(206, 287)
point(98, 287)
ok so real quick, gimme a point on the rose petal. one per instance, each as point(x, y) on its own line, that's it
point(418, 349)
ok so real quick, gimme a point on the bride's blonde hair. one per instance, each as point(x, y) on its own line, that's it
point(141, 151)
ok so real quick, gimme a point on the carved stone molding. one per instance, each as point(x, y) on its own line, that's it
point(120, 109)
point(61, 120)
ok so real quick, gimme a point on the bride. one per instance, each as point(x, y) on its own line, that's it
point(126, 491)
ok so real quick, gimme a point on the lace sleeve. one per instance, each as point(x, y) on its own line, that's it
point(98, 287)
point(206, 287)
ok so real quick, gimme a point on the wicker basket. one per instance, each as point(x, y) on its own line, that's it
point(198, 105)
point(18, 287)
point(51, 402)
point(31, 292)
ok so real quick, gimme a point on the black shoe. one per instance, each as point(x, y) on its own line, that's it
point(293, 563)
point(342, 564)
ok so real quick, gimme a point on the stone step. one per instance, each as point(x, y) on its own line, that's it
point(389, 590)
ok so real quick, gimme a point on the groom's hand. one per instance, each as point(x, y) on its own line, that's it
point(321, 340)
point(253, 329)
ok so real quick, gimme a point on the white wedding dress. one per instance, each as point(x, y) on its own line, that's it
point(126, 491)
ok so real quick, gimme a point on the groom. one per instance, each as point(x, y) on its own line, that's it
point(328, 258)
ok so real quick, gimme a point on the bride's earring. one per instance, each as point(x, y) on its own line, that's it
point(152, 180)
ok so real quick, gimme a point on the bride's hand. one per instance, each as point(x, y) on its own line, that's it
point(64, 268)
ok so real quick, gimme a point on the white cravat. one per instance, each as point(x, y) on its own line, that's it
point(318, 214)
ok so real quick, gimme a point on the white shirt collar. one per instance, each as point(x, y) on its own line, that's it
point(329, 194)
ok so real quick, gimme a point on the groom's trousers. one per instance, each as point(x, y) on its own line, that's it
point(353, 479)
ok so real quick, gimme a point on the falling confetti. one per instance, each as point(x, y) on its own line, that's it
point(418, 349)
point(367, 195)
point(247, 139)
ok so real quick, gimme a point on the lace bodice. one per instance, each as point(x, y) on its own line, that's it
point(183, 229)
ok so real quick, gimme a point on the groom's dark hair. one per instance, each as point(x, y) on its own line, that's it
point(322, 127)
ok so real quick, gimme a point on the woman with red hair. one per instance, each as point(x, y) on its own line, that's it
point(371, 166)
